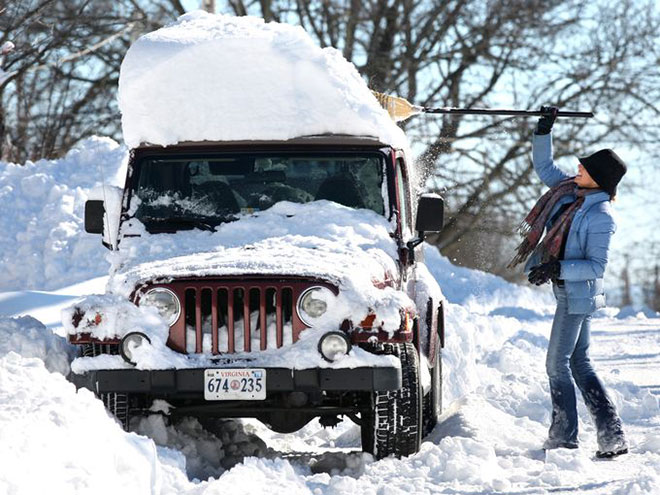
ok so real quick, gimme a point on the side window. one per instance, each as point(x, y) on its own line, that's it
point(402, 191)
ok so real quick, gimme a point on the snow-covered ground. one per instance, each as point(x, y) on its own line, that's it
point(496, 394)
point(488, 440)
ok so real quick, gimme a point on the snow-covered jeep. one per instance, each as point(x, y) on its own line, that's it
point(265, 261)
point(244, 249)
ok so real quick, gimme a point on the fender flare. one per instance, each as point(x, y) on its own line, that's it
point(435, 324)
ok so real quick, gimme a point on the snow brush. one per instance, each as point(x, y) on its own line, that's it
point(401, 109)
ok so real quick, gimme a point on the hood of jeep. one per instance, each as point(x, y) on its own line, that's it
point(289, 257)
point(351, 249)
point(321, 240)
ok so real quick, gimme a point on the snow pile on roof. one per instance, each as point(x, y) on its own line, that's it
point(222, 78)
point(43, 243)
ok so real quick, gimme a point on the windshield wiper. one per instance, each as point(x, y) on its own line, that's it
point(193, 221)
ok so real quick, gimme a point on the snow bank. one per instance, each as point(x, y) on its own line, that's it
point(43, 243)
point(222, 78)
point(31, 339)
point(480, 291)
point(636, 312)
point(54, 440)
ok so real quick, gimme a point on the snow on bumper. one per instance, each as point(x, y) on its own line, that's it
point(190, 382)
point(299, 366)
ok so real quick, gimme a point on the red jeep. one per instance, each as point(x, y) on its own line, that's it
point(245, 314)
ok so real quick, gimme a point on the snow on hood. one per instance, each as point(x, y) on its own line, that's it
point(352, 249)
point(267, 81)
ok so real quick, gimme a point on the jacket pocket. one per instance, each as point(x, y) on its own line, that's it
point(591, 287)
point(599, 301)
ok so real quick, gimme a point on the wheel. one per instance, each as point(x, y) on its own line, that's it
point(432, 405)
point(117, 404)
point(393, 425)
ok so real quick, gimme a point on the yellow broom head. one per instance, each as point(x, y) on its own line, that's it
point(398, 108)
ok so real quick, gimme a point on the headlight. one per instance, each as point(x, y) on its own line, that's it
point(165, 301)
point(334, 346)
point(313, 303)
point(129, 343)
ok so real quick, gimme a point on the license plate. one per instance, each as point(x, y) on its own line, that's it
point(235, 384)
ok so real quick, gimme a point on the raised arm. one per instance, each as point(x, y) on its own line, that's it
point(545, 167)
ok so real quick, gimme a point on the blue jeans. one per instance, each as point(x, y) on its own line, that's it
point(568, 360)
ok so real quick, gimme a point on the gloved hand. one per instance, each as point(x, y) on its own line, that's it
point(540, 274)
point(549, 114)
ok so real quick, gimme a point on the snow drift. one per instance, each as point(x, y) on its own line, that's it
point(221, 78)
point(28, 337)
point(54, 440)
point(43, 243)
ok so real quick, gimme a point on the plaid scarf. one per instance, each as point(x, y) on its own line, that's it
point(531, 228)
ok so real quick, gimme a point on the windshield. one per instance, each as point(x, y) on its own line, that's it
point(180, 193)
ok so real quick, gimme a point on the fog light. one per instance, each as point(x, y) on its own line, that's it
point(334, 345)
point(129, 343)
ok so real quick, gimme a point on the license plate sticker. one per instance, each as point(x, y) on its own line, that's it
point(235, 384)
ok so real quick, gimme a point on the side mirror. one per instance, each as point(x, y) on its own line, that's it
point(94, 211)
point(430, 213)
point(430, 218)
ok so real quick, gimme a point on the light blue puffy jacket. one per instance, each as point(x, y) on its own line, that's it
point(588, 241)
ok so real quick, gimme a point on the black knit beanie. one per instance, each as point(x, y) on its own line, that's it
point(606, 168)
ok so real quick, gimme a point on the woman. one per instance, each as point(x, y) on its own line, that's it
point(573, 255)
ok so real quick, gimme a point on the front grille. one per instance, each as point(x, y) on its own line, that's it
point(236, 316)
point(237, 319)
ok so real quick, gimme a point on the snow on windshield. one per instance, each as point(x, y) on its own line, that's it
point(218, 188)
point(222, 78)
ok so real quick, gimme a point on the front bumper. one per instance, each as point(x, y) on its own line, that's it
point(190, 382)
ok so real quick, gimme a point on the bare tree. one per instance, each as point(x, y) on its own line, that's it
point(640, 277)
point(60, 80)
point(626, 296)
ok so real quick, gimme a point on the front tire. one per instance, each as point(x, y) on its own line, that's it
point(393, 425)
point(115, 403)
